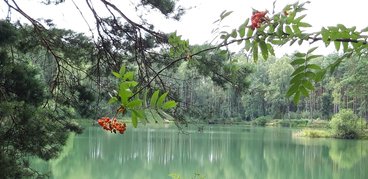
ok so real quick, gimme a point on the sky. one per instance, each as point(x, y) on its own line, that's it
point(197, 24)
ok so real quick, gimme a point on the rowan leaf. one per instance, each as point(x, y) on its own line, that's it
point(169, 104)
point(264, 50)
point(154, 99)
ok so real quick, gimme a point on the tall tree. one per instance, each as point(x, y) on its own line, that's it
point(28, 125)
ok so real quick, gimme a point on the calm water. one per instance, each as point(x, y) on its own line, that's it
point(230, 152)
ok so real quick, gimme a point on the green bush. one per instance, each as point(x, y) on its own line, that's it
point(261, 121)
point(346, 125)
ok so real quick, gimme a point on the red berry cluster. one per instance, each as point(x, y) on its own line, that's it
point(258, 18)
point(112, 125)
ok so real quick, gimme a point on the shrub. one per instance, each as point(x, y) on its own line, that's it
point(261, 121)
point(346, 125)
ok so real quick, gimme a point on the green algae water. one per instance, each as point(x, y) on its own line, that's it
point(224, 152)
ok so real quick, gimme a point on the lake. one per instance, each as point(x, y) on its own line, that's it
point(224, 152)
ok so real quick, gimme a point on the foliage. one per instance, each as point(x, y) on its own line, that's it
point(346, 124)
point(261, 121)
point(303, 74)
point(130, 102)
point(326, 105)
point(288, 27)
point(28, 124)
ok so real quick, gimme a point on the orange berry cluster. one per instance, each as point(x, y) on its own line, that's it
point(112, 125)
point(257, 18)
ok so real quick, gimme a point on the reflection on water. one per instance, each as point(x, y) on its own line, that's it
point(217, 152)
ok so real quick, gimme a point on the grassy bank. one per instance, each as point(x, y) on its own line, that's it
point(295, 123)
point(327, 133)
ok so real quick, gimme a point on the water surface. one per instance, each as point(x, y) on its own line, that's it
point(229, 152)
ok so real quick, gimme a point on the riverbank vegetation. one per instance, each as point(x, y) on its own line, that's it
point(343, 125)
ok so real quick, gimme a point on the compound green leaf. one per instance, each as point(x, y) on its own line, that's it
point(169, 104)
point(154, 99)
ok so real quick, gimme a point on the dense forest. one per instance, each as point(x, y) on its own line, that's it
point(264, 90)
point(49, 76)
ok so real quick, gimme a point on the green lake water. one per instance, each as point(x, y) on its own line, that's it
point(224, 152)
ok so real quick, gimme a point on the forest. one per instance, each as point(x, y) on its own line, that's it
point(52, 79)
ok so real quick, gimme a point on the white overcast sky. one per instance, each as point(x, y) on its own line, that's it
point(197, 23)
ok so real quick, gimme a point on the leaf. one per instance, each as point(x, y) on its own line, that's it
point(122, 70)
point(313, 56)
point(113, 100)
point(298, 70)
point(134, 120)
point(298, 61)
point(156, 116)
point(307, 84)
point(313, 66)
point(225, 37)
point(264, 50)
point(364, 30)
point(117, 75)
point(139, 113)
point(250, 32)
point(288, 30)
point(154, 99)
point(298, 54)
point(337, 45)
point(164, 114)
point(233, 33)
point(297, 20)
point(124, 93)
point(292, 42)
point(300, 41)
point(271, 29)
point(277, 42)
point(325, 36)
point(304, 24)
point(290, 17)
point(319, 75)
point(128, 76)
point(270, 49)
point(131, 83)
point(241, 29)
point(336, 64)
point(161, 100)
point(169, 104)
point(247, 45)
point(296, 97)
point(292, 90)
point(296, 29)
point(225, 14)
point(311, 50)
point(309, 74)
point(303, 91)
point(297, 78)
point(255, 51)
point(341, 26)
point(280, 30)
point(134, 104)
point(346, 46)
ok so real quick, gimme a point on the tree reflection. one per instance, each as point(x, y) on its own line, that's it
point(347, 156)
point(217, 152)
